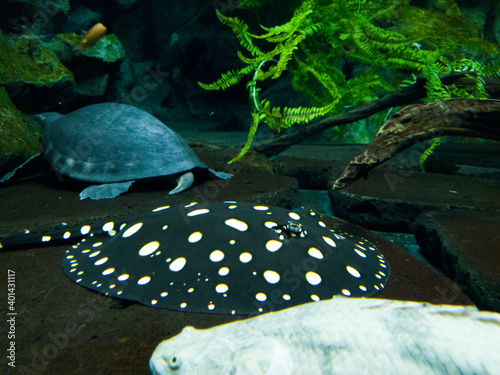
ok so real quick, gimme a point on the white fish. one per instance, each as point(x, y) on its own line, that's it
point(341, 336)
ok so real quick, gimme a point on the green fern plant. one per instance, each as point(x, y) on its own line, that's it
point(325, 40)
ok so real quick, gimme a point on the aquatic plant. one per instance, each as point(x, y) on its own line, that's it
point(346, 53)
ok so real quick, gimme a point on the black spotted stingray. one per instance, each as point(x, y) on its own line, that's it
point(226, 257)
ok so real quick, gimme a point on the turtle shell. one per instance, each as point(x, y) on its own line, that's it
point(112, 142)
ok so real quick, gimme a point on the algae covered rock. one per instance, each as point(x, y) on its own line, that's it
point(31, 72)
point(108, 49)
point(18, 138)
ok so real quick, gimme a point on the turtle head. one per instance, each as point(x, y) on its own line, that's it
point(48, 117)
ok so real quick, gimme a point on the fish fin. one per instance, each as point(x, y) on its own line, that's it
point(184, 182)
point(105, 191)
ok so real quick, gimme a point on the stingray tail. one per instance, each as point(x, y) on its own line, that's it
point(60, 234)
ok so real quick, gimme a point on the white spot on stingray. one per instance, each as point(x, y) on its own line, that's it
point(211, 306)
point(149, 248)
point(72, 270)
point(119, 292)
point(232, 207)
point(164, 227)
point(315, 253)
point(321, 224)
point(144, 280)
point(329, 241)
point(200, 211)
point(286, 297)
point(216, 256)
point(95, 253)
point(221, 288)
point(108, 226)
point(245, 257)
point(271, 277)
point(123, 225)
point(273, 245)
point(383, 265)
point(346, 292)
point(237, 224)
point(46, 238)
point(112, 286)
point(66, 235)
point(164, 294)
point(294, 215)
point(160, 208)
point(380, 272)
point(183, 305)
point(85, 229)
point(101, 261)
point(177, 264)
point(132, 230)
point(123, 277)
point(260, 208)
point(79, 280)
point(260, 297)
point(270, 224)
point(233, 312)
point(80, 273)
point(360, 253)
point(224, 271)
point(154, 302)
point(353, 271)
point(190, 290)
point(108, 271)
point(313, 278)
point(70, 257)
point(191, 204)
point(378, 276)
point(314, 297)
point(195, 237)
point(232, 242)
point(97, 244)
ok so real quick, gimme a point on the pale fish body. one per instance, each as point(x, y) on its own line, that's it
point(341, 336)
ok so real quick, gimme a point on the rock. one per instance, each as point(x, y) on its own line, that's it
point(313, 165)
point(82, 18)
point(464, 244)
point(92, 87)
point(19, 140)
point(465, 159)
point(390, 201)
point(32, 73)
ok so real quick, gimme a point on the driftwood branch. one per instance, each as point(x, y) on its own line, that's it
point(416, 123)
point(404, 96)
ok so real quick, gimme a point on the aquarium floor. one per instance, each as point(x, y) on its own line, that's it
point(62, 328)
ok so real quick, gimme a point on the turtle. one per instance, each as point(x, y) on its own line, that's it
point(113, 145)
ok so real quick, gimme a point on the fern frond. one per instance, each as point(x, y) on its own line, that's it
point(282, 32)
point(256, 118)
point(240, 30)
point(228, 79)
point(286, 54)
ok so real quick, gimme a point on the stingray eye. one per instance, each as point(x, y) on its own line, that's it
point(174, 363)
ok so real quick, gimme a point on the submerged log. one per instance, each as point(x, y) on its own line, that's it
point(477, 118)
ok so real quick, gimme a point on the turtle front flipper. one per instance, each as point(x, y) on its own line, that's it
point(30, 167)
point(105, 191)
point(183, 183)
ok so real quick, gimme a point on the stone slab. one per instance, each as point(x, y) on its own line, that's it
point(465, 245)
point(390, 201)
